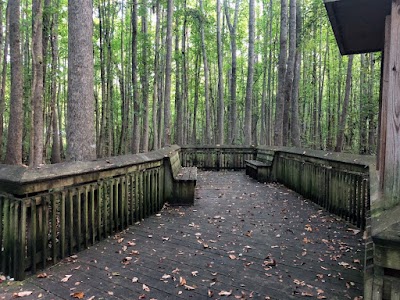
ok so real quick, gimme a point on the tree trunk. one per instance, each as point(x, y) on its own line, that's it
point(295, 126)
point(280, 100)
point(14, 140)
point(80, 117)
point(220, 110)
point(136, 101)
point(145, 81)
point(206, 78)
point(178, 86)
point(289, 72)
point(250, 76)
point(232, 33)
point(37, 84)
point(168, 71)
point(343, 117)
point(156, 77)
point(56, 149)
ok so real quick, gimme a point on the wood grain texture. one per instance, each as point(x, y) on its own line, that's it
point(392, 152)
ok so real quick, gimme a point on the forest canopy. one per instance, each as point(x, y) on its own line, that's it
point(257, 72)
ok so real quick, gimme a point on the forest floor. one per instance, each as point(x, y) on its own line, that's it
point(241, 240)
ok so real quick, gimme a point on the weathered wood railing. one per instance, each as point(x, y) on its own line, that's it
point(54, 211)
point(217, 157)
point(337, 182)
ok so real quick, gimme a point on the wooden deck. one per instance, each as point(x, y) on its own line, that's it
point(241, 238)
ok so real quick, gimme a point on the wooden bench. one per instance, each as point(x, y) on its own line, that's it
point(183, 183)
point(260, 168)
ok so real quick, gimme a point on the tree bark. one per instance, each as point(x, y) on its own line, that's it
point(250, 76)
point(145, 81)
point(168, 71)
point(343, 117)
point(220, 110)
point(14, 140)
point(37, 84)
point(233, 105)
point(289, 72)
point(206, 77)
point(295, 126)
point(80, 117)
point(280, 100)
point(136, 101)
point(156, 77)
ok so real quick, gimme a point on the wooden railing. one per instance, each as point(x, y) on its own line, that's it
point(53, 212)
point(338, 182)
point(216, 157)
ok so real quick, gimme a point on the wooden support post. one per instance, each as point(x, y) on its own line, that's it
point(391, 183)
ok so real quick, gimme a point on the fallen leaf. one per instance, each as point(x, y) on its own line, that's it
point(119, 241)
point(225, 293)
point(210, 293)
point(42, 275)
point(22, 294)
point(78, 295)
point(189, 288)
point(110, 293)
point(66, 278)
point(182, 281)
point(166, 276)
point(145, 288)
point(232, 256)
point(195, 273)
point(307, 294)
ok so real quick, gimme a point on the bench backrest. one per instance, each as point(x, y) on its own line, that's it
point(175, 164)
point(265, 156)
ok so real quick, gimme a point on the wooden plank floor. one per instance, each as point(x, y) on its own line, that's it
point(243, 238)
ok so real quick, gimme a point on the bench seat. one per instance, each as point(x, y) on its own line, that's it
point(184, 182)
point(261, 171)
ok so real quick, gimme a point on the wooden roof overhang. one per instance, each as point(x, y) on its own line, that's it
point(358, 25)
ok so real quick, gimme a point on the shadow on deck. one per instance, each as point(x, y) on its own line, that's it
point(241, 237)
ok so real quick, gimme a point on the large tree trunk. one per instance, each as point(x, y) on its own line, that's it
point(168, 71)
point(280, 100)
point(343, 117)
point(220, 109)
point(80, 117)
point(14, 140)
point(37, 84)
point(250, 76)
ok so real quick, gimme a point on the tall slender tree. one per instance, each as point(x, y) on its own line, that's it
point(280, 100)
point(343, 116)
point(220, 107)
point(168, 71)
point(250, 75)
point(37, 84)
point(232, 26)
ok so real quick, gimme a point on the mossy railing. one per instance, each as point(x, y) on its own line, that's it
point(54, 211)
point(336, 181)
